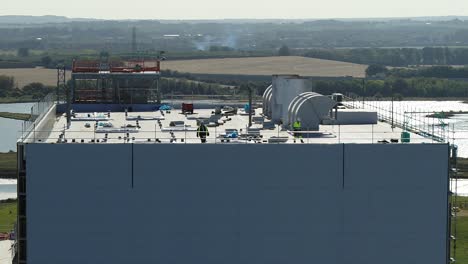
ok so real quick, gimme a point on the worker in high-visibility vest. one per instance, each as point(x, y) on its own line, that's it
point(297, 126)
point(202, 132)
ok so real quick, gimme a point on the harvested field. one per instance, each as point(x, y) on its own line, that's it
point(235, 66)
point(268, 66)
point(27, 76)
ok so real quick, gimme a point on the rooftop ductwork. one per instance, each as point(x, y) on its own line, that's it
point(310, 108)
point(267, 102)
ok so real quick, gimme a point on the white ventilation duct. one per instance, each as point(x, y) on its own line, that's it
point(269, 98)
point(284, 89)
point(267, 102)
point(311, 108)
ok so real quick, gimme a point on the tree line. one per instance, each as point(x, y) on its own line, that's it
point(444, 72)
point(33, 90)
point(395, 87)
point(398, 83)
point(397, 57)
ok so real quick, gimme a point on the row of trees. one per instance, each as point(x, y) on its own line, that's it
point(445, 72)
point(413, 87)
point(431, 72)
point(395, 56)
point(36, 90)
point(242, 83)
point(426, 82)
point(187, 87)
point(398, 87)
point(7, 85)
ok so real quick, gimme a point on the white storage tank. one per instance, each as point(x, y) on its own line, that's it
point(284, 89)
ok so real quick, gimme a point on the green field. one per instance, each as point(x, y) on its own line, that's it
point(462, 238)
point(461, 253)
point(7, 215)
point(8, 165)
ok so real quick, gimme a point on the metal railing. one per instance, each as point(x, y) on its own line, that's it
point(38, 110)
point(372, 134)
point(411, 120)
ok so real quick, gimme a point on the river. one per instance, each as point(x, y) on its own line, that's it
point(9, 127)
point(416, 111)
point(7, 189)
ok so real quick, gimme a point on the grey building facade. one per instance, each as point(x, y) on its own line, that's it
point(235, 203)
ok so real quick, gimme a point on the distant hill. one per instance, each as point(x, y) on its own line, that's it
point(13, 19)
point(428, 19)
point(39, 19)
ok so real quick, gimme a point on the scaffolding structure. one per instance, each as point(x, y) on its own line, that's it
point(453, 204)
point(121, 82)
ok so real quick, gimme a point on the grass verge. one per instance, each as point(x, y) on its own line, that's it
point(17, 116)
point(8, 165)
point(12, 100)
point(8, 212)
point(461, 255)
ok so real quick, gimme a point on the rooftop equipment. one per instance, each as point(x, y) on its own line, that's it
point(353, 117)
point(267, 101)
point(310, 108)
point(337, 97)
point(284, 89)
point(187, 108)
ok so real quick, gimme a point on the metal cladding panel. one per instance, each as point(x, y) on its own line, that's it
point(223, 203)
point(220, 209)
point(78, 208)
point(396, 203)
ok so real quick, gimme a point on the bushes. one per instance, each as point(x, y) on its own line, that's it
point(34, 90)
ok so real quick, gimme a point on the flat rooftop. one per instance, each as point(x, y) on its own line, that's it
point(174, 127)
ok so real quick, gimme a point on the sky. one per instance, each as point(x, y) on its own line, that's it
point(219, 9)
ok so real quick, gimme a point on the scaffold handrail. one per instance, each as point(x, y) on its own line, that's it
point(130, 66)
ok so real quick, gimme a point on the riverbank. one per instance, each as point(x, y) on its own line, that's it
point(14, 100)
point(17, 116)
point(8, 165)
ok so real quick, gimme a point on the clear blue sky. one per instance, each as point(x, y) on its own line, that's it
point(218, 9)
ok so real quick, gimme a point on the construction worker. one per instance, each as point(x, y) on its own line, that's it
point(202, 132)
point(297, 127)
